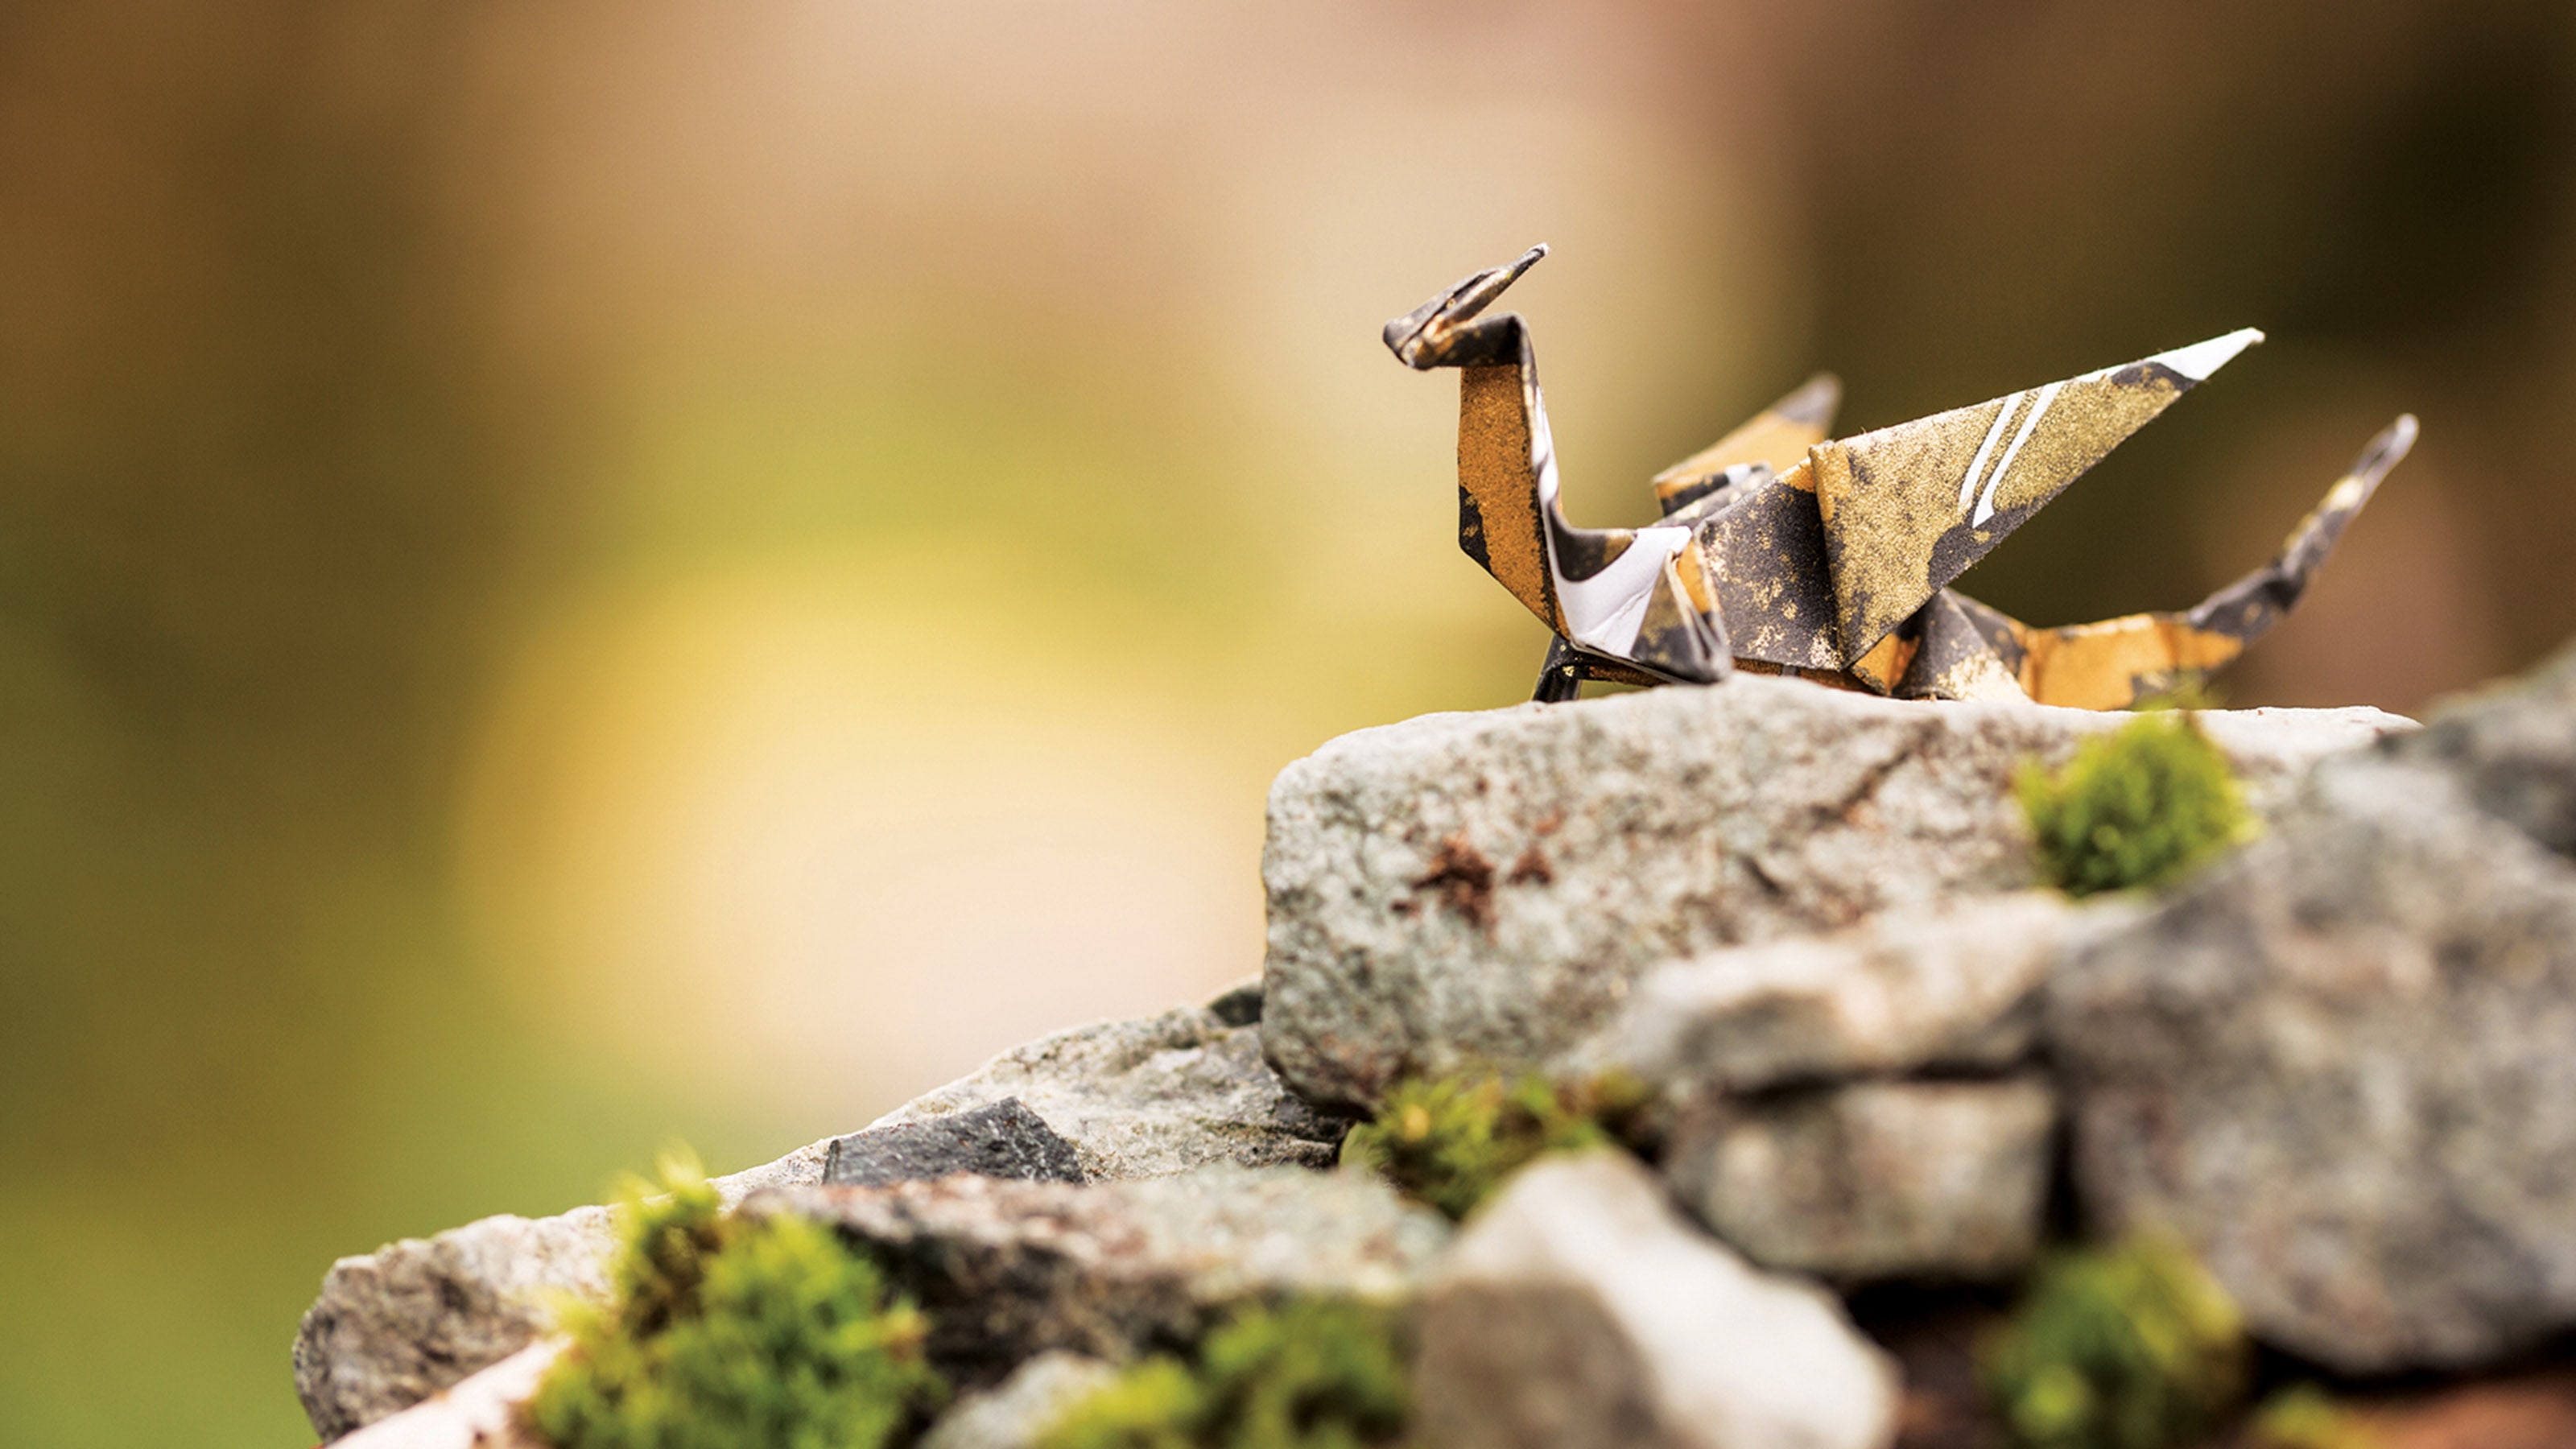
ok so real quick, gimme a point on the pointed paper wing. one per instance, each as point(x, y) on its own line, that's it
point(1777, 437)
point(2116, 662)
point(1907, 509)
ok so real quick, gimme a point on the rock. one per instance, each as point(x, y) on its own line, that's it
point(396, 1325)
point(1239, 1004)
point(412, 1318)
point(1876, 1180)
point(1956, 988)
point(797, 1168)
point(1024, 1408)
point(1135, 1098)
point(480, 1411)
point(2339, 1064)
point(1158, 1095)
point(1579, 1309)
point(1005, 1139)
point(1483, 887)
point(2512, 746)
point(1009, 1269)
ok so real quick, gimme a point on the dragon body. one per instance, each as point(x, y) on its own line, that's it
point(1784, 550)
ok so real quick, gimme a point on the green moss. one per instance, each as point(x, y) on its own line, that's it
point(1316, 1374)
point(2304, 1416)
point(1157, 1404)
point(2136, 807)
point(1448, 1141)
point(727, 1333)
point(2186, 691)
point(2132, 1347)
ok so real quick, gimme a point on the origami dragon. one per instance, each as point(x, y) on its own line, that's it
point(1783, 551)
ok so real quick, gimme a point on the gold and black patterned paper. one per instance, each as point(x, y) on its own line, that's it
point(1788, 551)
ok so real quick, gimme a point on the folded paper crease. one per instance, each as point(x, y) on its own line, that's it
point(1786, 550)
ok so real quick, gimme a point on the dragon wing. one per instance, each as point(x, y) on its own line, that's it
point(1776, 437)
point(1907, 509)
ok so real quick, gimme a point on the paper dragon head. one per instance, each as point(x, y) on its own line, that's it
point(1786, 551)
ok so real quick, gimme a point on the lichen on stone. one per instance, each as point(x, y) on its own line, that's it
point(1449, 1141)
point(2136, 807)
point(2133, 1346)
point(728, 1331)
point(1317, 1373)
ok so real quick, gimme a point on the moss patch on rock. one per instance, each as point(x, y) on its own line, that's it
point(1449, 1141)
point(727, 1332)
point(1315, 1374)
point(2136, 807)
point(2129, 1347)
point(2304, 1416)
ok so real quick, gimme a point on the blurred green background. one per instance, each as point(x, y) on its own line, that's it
point(575, 574)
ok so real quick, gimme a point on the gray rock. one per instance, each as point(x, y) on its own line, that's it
point(1484, 887)
point(1580, 1311)
point(1005, 1139)
point(414, 1317)
point(2512, 746)
point(1028, 1403)
point(1134, 1098)
point(1158, 1095)
point(2340, 1065)
point(1239, 1004)
point(1953, 989)
point(1008, 1269)
point(1875, 1180)
point(480, 1411)
point(394, 1326)
point(798, 1168)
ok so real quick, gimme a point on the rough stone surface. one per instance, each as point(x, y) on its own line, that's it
point(1952, 989)
point(480, 1411)
point(2512, 747)
point(401, 1323)
point(1005, 1139)
point(1134, 1099)
point(1007, 1269)
point(1483, 887)
point(1580, 1311)
point(396, 1325)
point(1161, 1094)
point(1875, 1180)
point(1021, 1411)
point(2340, 1063)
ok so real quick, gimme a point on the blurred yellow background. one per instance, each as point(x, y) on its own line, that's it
point(578, 574)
